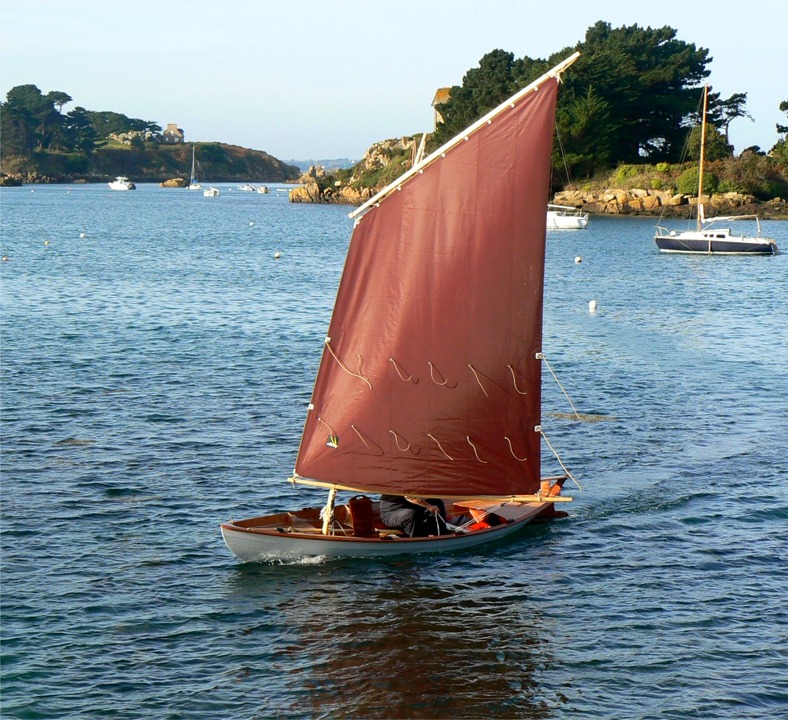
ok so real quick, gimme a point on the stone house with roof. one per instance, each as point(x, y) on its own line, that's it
point(172, 135)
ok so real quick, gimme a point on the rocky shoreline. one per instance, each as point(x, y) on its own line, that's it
point(610, 201)
point(615, 201)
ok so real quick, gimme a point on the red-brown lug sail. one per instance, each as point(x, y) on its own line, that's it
point(429, 382)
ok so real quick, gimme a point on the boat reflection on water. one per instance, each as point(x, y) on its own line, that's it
point(402, 640)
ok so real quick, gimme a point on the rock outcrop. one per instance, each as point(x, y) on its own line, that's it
point(388, 159)
point(614, 201)
point(339, 194)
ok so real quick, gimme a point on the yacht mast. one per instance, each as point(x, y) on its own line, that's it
point(702, 155)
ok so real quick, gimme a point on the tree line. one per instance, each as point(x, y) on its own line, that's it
point(31, 122)
point(632, 97)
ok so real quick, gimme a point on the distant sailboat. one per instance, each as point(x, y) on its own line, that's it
point(708, 238)
point(193, 182)
point(430, 380)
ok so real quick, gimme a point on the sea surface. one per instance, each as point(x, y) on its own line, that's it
point(157, 360)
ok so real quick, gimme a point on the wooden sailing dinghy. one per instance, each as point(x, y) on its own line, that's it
point(430, 381)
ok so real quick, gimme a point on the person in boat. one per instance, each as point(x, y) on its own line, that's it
point(416, 517)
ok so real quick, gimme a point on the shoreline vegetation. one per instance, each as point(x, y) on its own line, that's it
point(627, 136)
point(147, 162)
point(667, 190)
point(626, 191)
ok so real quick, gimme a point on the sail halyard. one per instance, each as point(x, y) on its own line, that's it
point(430, 384)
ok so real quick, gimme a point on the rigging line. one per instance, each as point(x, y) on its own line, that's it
point(484, 514)
point(405, 379)
point(477, 379)
point(475, 452)
point(511, 450)
point(514, 381)
point(563, 155)
point(560, 462)
point(577, 415)
point(439, 446)
point(396, 440)
point(342, 365)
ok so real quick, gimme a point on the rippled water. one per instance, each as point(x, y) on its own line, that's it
point(155, 378)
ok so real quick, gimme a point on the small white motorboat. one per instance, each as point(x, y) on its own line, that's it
point(122, 183)
point(211, 192)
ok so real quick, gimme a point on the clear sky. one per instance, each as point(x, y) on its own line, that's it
point(320, 79)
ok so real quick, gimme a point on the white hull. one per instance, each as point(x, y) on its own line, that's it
point(560, 217)
point(709, 238)
point(713, 241)
point(211, 192)
point(255, 545)
point(122, 183)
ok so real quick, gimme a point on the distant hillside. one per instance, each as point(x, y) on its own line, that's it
point(153, 162)
point(328, 165)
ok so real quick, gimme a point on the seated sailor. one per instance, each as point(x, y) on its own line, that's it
point(416, 517)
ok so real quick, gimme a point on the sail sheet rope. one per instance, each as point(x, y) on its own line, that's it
point(583, 417)
point(557, 457)
point(481, 515)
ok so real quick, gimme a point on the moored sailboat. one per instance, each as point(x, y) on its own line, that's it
point(708, 238)
point(430, 381)
point(564, 217)
point(194, 184)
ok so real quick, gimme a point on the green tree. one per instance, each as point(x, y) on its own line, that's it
point(79, 131)
point(717, 146)
point(780, 150)
point(649, 80)
point(584, 134)
point(32, 118)
point(632, 88)
point(784, 108)
point(15, 131)
point(482, 89)
point(106, 123)
point(59, 99)
point(726, 111)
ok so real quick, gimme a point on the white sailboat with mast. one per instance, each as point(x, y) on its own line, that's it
point(430, 381)
point(708, 238)
point(194, 184)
